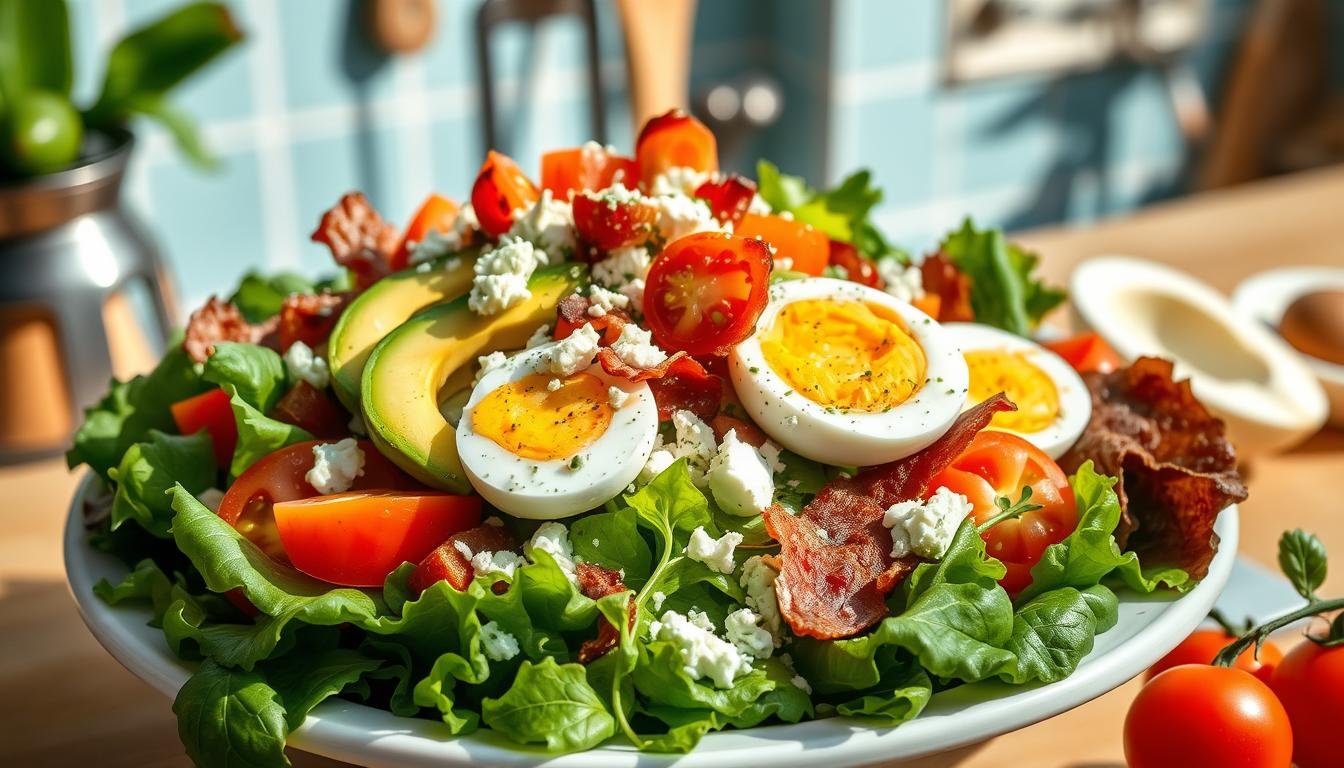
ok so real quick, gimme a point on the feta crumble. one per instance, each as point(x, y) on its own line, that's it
point(438, 244)
point(617, 397)
point(903, 281)
point(680, 216)
point(497, 644)
point(759, 206)
point(925, 528)
point(695, 443)
point(601, 301)
point(554, 385)
point(540, 336)
point(739, 478)
point(715, 553)
point(758, 579)
point(488, 363)
point(659, 460)
point(678, 180)
point(486, 562)
point(302, 365)
point(335, 466)
point(549, 225)
point(501, 275)
point(703, 653)
point(571, 354)
point(799, 682)
point(658, 597)
point(742, 631)
point(624, 271)
point(770, 453)
point(636, 348)
point(553, 539)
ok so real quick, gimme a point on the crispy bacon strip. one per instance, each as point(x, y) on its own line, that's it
point(448, 563)
point(1176, 468)
point(310, 317)
point(359, 239)
point(218, 321)
point(596, 582)
point(571, 314)
point(835, 556)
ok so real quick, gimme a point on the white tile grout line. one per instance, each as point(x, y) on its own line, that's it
point(416, 148)
point(275, 170)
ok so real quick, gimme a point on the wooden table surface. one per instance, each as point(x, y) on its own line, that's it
point(63, 701)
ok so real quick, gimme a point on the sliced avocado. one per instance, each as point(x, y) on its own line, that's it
point(408, 372)
point(384, 306)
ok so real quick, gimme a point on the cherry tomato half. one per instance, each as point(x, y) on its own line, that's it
point(605, 225)
point(1197, 714)
point(436, 214)
point(356, 539)
point(675, 140)
point(501, 188)
point(209, 411)
point(728, 198)
point(1001, 464)
point(1203, 644)
point(586, 168)
point(1310, 684)
point(705, 291)
point(805, 246)
point(1086, 352)
point(280, 476)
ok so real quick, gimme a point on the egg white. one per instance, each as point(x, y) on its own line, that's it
point(833, 435)
point(551, 489)
point(1075, 401)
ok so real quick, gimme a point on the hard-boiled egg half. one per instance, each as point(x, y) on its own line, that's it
point(1053, 403)
point(544, 446)
point(845, 374)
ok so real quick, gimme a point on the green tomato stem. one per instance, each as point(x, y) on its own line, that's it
point(1257, 636)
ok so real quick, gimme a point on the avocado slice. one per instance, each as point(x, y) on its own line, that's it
point(408, 371)
point(387, 304)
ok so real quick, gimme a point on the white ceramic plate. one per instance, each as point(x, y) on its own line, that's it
point(1147, 629)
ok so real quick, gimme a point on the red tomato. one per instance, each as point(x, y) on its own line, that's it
point(585, 168)
point(501, 188)
point(436, 214)
point(729, 197)
point(209, 411)
point(1000, 464)
point(280, 477)
point(1310, 683)
point(312, 410)
point(1199, 715)
point(606, 225)
point(446, 562)
point(356, 539)
point(806, 246)
point(1203, 644)
point(857, 268)
point(1086, 352)
point(675, 140)
point(705, 292)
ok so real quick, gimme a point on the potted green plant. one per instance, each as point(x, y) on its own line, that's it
point(66, 244)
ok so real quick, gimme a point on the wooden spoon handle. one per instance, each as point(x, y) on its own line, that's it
point(657, 54)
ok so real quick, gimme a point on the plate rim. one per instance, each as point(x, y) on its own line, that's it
point(374, 737)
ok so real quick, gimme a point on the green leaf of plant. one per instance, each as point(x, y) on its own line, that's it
point(1003, 292)
point(550, 704)
point(612, 540)
point(231, 719)
point(1303, 559)
point(258, 434)
point(149, 470)
point(34, 48)
point(255, 373)
point(1054, 631)
point(146, 582)
point(892, 704)
point(305, 678)
point(259, 297)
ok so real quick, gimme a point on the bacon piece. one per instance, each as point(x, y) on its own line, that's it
point(571, 314)
point(596, 582)
point(310, 317)
point(312, 410)
point(747, 432)
point(218, 321)
point(359, 239)
point(942, 279)
point(447, 563)
point(835, 556)
point(1176, 468)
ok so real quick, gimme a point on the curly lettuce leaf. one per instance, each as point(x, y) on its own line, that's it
point(1003, 292)
point(258, 434)
point(842, 213)
point(893, 703)
point(149, 470)
point(145, 583)
point(552, 704)
point(253, 372)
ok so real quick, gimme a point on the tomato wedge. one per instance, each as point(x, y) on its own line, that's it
point(587, 168)
point(356, 539)
point(857, 268)
point(705, 291)
point(436, 214)
point(1000, 464)
point(675, 140)
point(279, 476)
point(501, 188)
point(209, 411)
point(607, 224)
point(805, 246)
point(728, 198)
point(1086, 352)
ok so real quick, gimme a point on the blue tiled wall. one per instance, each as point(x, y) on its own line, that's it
point(306, 111)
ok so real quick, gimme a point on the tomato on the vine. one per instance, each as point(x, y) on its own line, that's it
point(675, 140)
point(501, 188)
point(1203, 644)
point(999, 464)
point(1197, 715)
point(806, 248)
point(1309, 681)
point(705, 291)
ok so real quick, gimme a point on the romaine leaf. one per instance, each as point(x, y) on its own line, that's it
point(1003, 292)
point(254, 372)
point(229, 718)
point(150, 469)
point(895, 703)
point(550, 704)
point(258, 434)
point(1054, 631)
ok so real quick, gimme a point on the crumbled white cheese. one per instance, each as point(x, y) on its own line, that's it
point(770, 453)
point(356, 425)
point(636, 348)
point(759, 206)
point(678, 180)
point(601, 301)
point(302, 365)
point(658, 598)
point(799, 682)
point(681, 216)
point(211, 498)
point(624, 271)
point(925, 528)
point(553, 539)
point(549, 225)
point(554, 385)
point(659, 460)
point(501, 275)
point(497, 644)
point(739, 478)
point(715, 553)
point(437, 243)
point(540, 336)
point(335, 466)
point(758, 579)
point(905, 282)
point(485, 562)
point(742, 631)
point(703, 653)
point(488, 363)
point(695, 443)
point(571, 354)
point(617, 397)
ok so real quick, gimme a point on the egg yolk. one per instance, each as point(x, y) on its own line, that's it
point(529, 419)
point(849, 355)
point(998, 370)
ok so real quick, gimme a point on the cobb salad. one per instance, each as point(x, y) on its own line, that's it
point(638, 452)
